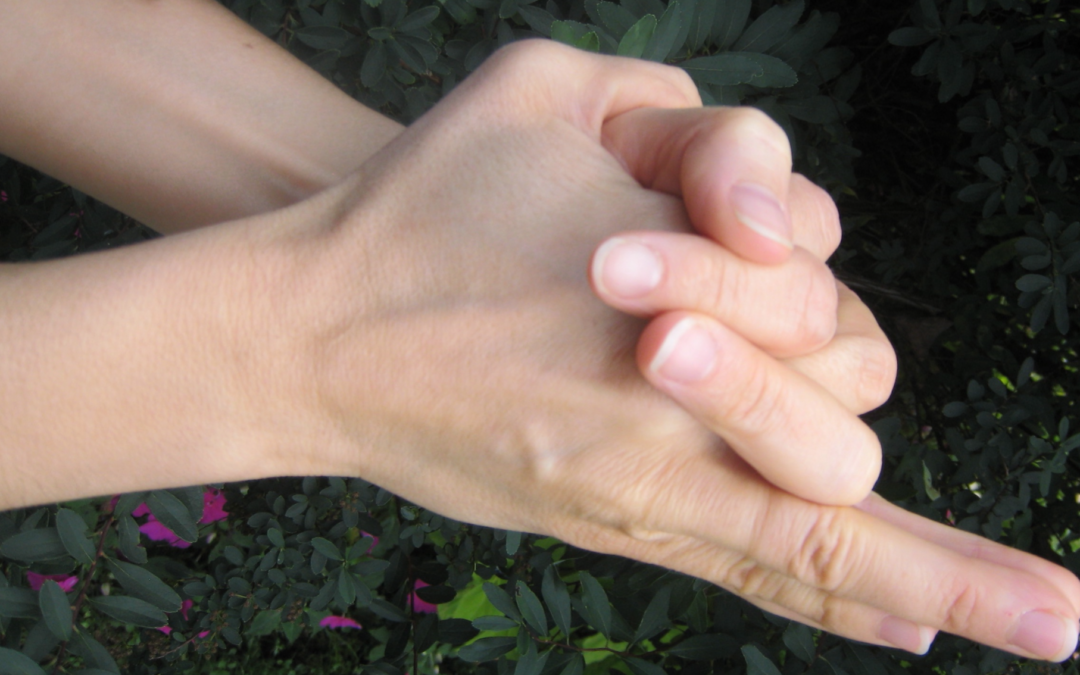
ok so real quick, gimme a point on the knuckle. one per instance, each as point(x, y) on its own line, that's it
point(749, 579)
point(827, 218)
point(817, 311)
point(748, 122)
point(826, 554)
point(876, 373)
point(761, 404)
point(960, 609)
point(716, 285)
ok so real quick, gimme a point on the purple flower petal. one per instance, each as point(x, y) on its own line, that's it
point(418, 605)
point(65, 581)
point(153, 529)
point(339, 622)
point(213, 506)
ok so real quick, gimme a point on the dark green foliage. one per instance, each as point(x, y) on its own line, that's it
point(948, 130)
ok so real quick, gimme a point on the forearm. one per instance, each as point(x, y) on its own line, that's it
point(127, 370)
point(173, 111)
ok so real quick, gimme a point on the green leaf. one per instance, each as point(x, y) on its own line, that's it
point(456, 631)
point(557, 598)
point(130, 610)
point(420, 18)
point(729, 22)
point(327, 548)
point(173, 514)
point(1061, 309)
point(616, 18)
point(774, 72)
point(641, 667)
point(663, 41)
point(513, 537)
point(976, 192)
point(55, 610)
point(757, 663)
point(633, 43)
point(531, 609)
point(997, 256)
point(508, 8)
point(437, 595)
point(928, 483)
point(17, 663)
point(323, 37)
point(992, 169)
point(539, 20)
point(655, 617)
point(57, 231)
point(264, 623)
point(34, 545)
point(723, 69)
point(192, 498)
point(590, 42)
point(910, 36)
point(815, 110)
point(493, 622)
point(769, 28)
point(531, 663)
point(18, 603)
point(72, 531)
point(705, 647)
point(501, 600)
point(145, 585)
point(596, 604)
point(799, 639)
point(699, 27)
point(1033, 283)
point(371, 73)
point(955, 409)
point(128, 502)
point(387, 611)
point(92, 652)
point(487, 649)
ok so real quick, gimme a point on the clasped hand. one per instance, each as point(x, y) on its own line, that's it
point(436, 329)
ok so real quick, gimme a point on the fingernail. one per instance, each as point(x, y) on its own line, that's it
point(687, 354)
point(1044, 634)
point(905, 635)
point(758, 208)
point(626, 269)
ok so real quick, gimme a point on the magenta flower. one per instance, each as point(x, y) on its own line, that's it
point(339, 622)
point(213, 506)
point(66, 582)
point(3, 196)
point(184, 607)
point(155, 531)
point(417, 604)
point(213, 511)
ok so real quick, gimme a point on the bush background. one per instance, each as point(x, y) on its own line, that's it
point(948, 132)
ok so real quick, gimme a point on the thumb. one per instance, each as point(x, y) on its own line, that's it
point(731, 166)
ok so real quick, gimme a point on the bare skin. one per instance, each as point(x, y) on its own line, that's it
point(408, 326)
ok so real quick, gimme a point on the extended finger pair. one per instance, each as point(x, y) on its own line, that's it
point(875, 574)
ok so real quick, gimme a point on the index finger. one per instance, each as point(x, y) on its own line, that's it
point(845, 553)
point(731, 166)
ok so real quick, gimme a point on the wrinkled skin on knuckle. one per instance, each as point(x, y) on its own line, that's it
point(959, 607)
point(816, 323)
point(826, 217)
point(876, 373)
point(761, 404)
point(827, 552)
